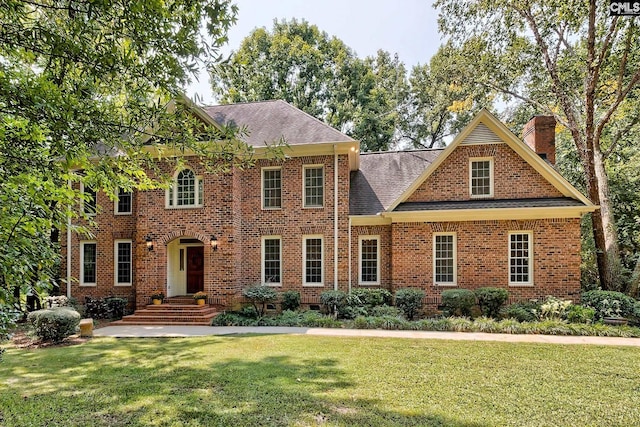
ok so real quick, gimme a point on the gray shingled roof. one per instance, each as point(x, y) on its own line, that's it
point(384, 176)
point(489, 204)
point(268, 121)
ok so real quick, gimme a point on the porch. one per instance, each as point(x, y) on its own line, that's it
point(178, 310)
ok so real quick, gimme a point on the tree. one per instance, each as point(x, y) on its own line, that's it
point(83, 87)
point(569, 59)
point(440, 103)
point(302, 65)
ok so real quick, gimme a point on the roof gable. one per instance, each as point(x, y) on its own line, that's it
point(485, 128)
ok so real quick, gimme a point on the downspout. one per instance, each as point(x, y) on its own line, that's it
point(349, 256)
point(69, 250)
point(335, 218)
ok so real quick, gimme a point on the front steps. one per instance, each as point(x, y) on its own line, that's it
point(174, 311)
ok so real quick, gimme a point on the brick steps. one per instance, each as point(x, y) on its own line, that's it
point(173, 313)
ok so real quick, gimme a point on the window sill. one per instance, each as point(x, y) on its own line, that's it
point(122, 285)
point(122, 213)
point(88, 285)
point(184, 207)
point(446, 285)
point(368, 283)
point(272, 209)
point(273, 285)
point(521, 285)
point(313, 285)
point(313, 207)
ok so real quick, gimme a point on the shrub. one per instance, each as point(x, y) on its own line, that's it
point(333, 302)
point(524, 311)
point(609, 303)
point(54, 324)
point(105, 308)
point(372, 297)
point(117, 307)
point(554, 309)
point(579, 314)
point(57, 301)
point(491, 300)
point(385, 310)
point(458, 302)
point(232, 319)
point(409, 301)
point(260, 295)
point(290, 300)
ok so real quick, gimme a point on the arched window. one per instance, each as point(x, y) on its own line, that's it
point(186, 190)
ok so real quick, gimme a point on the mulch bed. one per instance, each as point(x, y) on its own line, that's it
point(23, 340)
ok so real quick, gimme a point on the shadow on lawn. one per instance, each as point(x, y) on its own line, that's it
point(165, 382)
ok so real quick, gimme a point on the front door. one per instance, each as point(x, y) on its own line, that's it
point(195, 269)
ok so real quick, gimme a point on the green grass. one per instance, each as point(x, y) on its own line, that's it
point(274, 380)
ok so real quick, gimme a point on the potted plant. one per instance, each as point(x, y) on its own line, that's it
point(200, 298)
point(157, 296)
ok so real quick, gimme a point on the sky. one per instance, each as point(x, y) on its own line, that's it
point(406, 27)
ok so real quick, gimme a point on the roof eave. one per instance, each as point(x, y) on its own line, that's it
point(486, 214)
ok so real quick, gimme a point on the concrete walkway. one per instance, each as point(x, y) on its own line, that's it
point(198, 331)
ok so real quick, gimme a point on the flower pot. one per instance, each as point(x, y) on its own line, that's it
point(200, 301)
point(156, 301)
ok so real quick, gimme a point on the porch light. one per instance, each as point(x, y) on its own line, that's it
point(214, 243)
point(149, 243)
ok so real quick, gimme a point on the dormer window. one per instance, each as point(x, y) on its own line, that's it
point(186, 190)
point(481, 177)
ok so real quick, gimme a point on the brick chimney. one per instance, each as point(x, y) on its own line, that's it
point(540, 134)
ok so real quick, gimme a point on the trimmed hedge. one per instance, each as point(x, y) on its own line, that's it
point(609, 303)
point(491, 300)
point(409, 300)
point(290, 300)
point(458, 302)
point(54, 324)
point(260, 295)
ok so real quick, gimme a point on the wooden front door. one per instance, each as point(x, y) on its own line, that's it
point(195, 269)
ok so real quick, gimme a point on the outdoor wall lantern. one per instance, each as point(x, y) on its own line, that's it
point(214, 243)
point(149, 243)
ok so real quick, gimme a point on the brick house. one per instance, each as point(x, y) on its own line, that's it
point(487, 210)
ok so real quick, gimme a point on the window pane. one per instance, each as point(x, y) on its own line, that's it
point(369, 260)
point(272, 260)
point(481, 178)
point(89, 263)
point(313, 187)
point(272, 197)
point(313, 261)
point(444, 259)
point(123, 262)
point(124, 202)
point(186, 186)
point(519, 259)
point(90, 201)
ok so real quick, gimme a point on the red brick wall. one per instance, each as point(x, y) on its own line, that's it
point(385, 267)
point(513, 177)
point(482, 256)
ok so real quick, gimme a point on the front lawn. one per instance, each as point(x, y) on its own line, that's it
point(275, 380)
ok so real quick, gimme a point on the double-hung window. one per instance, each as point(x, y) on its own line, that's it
point(88, 263)
point(186, 190)
point(272, 260)
point(521, 258)
point(313, 186)
point(481, 177)
point(123, 204)
point(369, 260)
point(272, 188)
point(90, 197)
point(444, 259)
point(122, 260)
point(312, 258)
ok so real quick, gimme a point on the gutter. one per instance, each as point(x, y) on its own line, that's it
point(335, 218)
point(69, 251)
point(349, 256)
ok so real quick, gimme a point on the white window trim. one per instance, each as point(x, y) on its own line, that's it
point(304, 261)
point(455, 260)
point(115, 261)
point(263, 260)
point(531, 259)
point(115, 205)
point(174, 186)
point(81, 278)
point(82, 202)
point(304, 189)
point(491, 177)
point(360, 239)
point(262, 170)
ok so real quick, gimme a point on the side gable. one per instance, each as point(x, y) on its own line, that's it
point(486, 134)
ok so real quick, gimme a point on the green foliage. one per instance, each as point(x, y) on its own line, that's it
point(386, 311)
point(524, 311)
point(260, 295)
point(333, 301)
point(372, 297)
point(105, 308)
point(491, 300)
point(608, 303)
point(8, 317)
point(579, 314)
point(290, 300)
point(409, 300)
point(553, 308)
point(54, 324)
point(458, 302)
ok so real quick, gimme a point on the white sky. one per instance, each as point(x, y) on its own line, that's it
point(406, 27)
